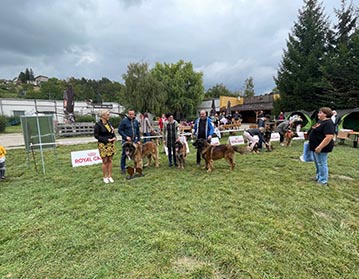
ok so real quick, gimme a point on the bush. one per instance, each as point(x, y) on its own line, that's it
point(13, 120)
point(115, 121)
point(3, 122)
point(85, 118)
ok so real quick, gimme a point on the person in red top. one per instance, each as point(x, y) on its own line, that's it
point(162, 120)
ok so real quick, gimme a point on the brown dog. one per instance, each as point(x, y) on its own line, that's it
point(211, 153)
point(138, 151)
point(180, 154)
point(288, 136)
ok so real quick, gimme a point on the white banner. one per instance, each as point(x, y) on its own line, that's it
point(274, 137)
point(235, 140)
point(85, 158)
point(300, 136)
point(215, 141)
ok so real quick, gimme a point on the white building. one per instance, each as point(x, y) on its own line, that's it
point(15, 107)
point(40, 79)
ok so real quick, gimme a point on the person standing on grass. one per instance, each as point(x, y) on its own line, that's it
point(321, 143)
point(129, 130)
point(105, 134)
point(146, 127)
point(162, 121)
point(336, 119)
point(170, 136)
point(2, 162)
point(203, 129)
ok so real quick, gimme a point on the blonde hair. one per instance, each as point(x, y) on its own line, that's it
point(103, 112)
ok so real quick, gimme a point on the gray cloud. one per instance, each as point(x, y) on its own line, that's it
point(228, 40)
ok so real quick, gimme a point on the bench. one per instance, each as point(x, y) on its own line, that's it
point(230, 126)
point(75, 129)
point(343, 135)
point(185, 129)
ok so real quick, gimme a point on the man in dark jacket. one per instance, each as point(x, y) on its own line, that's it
point(203, 129)
point(129, 130)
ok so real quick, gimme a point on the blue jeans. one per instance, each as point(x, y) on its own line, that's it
point(321, 164)
point(146, 135)
point(123, 160)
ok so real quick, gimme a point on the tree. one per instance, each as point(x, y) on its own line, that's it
point(31, 75)
point(143, 92)
point(248, 87)
point(22, 77)
point(182, 86)
point(27, 74)
point(299, 77)
point(53, 89)
point(342, 63)
point(217, 91)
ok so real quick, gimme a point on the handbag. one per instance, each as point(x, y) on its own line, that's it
point(307, 155)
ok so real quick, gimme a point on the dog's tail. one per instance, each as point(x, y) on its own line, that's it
point(239, 149)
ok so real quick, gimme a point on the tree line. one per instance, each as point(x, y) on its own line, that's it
point(320, 66)
point(167, 87)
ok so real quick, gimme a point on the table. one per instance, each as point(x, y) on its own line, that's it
point(356, 137)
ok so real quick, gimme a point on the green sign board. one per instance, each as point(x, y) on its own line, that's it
point(38, 132)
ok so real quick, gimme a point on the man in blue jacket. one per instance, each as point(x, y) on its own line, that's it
point(203, 129)
point(129, 130)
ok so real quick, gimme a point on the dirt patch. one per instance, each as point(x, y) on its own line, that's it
point(186, 264)
point(343, 177)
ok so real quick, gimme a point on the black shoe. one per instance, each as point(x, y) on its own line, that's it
point(170, 165)
point(123, 171)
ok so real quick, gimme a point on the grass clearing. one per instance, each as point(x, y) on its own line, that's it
point(266, 219)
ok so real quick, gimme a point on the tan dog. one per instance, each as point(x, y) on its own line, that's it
point(180, 154)
point(211, 153)
point(288, 136)
point(138, 151)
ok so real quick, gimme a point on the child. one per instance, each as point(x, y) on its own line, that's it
point(2, 162)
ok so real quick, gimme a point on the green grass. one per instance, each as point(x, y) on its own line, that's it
point(266, 219)
point(13, 129)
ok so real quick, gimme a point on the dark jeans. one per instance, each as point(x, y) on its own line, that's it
point(123, 160)
point(2, 169)
point(172, 155)
point(281, 137)
point(146, 135)
point(199, 156)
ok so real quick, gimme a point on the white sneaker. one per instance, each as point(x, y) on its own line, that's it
point(110, 179)
point(106, 180)
point(282, 144)
point(301, 158)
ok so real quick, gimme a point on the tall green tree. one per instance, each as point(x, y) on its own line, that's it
point(182, 86)
point(341, 67)
point(248, 87)
point(31, 75)
point(22, 77)
point(53, 89)
point(143, 92)
point(217, 91)
point(299, 77)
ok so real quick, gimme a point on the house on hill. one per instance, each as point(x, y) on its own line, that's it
point(41, 79)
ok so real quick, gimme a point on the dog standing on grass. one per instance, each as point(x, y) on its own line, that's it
point(180, 154)
point(137, 152)
point(288, 136)
point(211, 153)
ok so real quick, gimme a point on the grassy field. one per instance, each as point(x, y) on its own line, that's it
point(13, 129)
point(266, 219)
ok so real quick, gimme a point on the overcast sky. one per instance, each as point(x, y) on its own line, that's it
point(228, 40)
